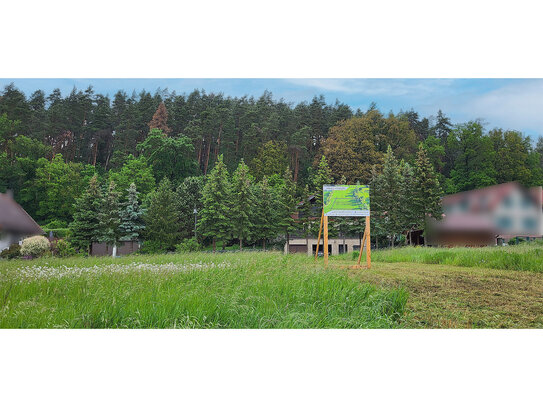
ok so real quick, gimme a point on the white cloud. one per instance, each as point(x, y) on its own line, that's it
point(515, 106)
point(382, 87)
point(519, 105)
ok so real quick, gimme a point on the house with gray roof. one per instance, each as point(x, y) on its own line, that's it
point(15, 223)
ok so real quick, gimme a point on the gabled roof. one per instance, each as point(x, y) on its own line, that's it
point(488, 198)
point(13, 217)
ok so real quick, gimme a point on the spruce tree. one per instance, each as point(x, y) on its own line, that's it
point(286, 205)
point(427, 192)
point(242, 203)
point(189, 198)
point(389, 192)
point(407, 189)
point(132, 224)
point(109, 218)
point(377, 207)
point(162, 218)
point(305, 214)
point(265, 217)
point(159, 119)
point(323, 176)
point(214, 219)
point(84, 228)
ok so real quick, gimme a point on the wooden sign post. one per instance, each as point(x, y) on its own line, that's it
point(325, 225)
point(365, 239)
point(319, 239)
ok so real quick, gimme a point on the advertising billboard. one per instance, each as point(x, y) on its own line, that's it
point(346, 200)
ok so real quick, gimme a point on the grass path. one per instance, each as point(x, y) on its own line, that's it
point(444, 296)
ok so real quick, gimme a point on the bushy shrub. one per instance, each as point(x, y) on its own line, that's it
point(34, 246)
point(56, 224)
point(62, 248)
point(153, 247)
point(188, 245)
point(514, 240)
point(12, 252)
point(60, 233)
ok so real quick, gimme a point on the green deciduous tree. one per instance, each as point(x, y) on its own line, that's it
point(170, 157)
point(271, 159)
point(57, 185)
point(473, 158)
point(134, 170)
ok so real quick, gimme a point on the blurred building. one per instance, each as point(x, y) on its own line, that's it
point(489, 216)
point(15, 223)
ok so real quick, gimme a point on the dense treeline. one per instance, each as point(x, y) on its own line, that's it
point(51, 146)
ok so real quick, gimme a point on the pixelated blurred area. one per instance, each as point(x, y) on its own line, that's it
point(494, 215)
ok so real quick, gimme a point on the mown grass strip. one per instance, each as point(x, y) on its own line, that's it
point(523, 257)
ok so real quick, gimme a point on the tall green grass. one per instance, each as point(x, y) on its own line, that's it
point(242, 290)
point(523, 257)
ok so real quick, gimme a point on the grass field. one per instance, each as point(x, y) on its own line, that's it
point(526, 256)
point(242, 290)
point(406, 288)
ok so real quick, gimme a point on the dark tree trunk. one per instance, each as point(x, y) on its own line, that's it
point(217, 151)
point(200, 153)
point(296, 166)
point(207, 156)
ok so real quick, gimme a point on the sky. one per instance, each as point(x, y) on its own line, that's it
point(515, 104)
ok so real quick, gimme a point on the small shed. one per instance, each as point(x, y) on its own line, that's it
point(123, 248)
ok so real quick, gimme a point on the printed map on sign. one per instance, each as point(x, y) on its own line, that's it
point(346, 200)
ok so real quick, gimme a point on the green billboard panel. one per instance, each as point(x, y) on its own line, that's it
point(346, 200)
